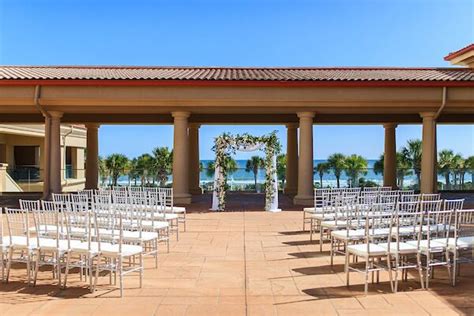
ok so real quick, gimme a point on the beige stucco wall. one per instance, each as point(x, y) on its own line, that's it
point(33, 135)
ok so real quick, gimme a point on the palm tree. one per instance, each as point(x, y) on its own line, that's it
point(253, 165)
point(459, 170)
point(230, 165)
point(210, 169)
point(378, 165)
point(469, 164)
point(144, 166)
point(354, 166)
point(412, 153)
point(336, 163)
point(403, 168)
point(163, 164)
point(445, 165)
point(103, 172)
point(132, 171)
point(281, 169)
point(116, 164)
point(321, 168)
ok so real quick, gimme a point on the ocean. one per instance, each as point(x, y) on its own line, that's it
point(241, 177)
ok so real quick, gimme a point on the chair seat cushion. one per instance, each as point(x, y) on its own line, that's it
point(154, 224)
point(166, 216)
point(19, 242)
point(114, 250)
point(51, 244)
point(403, 248)
point(313, 210)
point(361, 250)
point(348, 234)
point(334, 224)
point(463, 242)
point(434, 246)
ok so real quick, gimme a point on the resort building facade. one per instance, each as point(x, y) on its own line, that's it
point(22, 157)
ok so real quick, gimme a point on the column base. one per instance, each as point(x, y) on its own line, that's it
point(196, 191)
point(290, 191)
point(306, 200)
point(183, 198)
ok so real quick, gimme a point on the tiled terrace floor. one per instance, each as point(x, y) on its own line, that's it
point(240, 263)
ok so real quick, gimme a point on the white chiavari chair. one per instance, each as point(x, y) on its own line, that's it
point(433, 231)
point(30, 205)
point(400, 253)
point(344, 206)
point(317, 207)
point(386, 188)
point(169, 205)
point(50, 245)
point(376, 227)
point(371, 189)
point(430, 197)
point(63, 198)
point(461, 245)
point(84, 250)
point(155, 223)
point(410, 197)
point(119, 253)
point(18, 241)
point(327, 211)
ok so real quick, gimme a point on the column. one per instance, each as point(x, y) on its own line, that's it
point(92, 158)
point(46, 161)
point(390, 156)
point(181, 158)
point(194, 170)
point(428, 154)
point(305, 161)
point(3, 177)
point(291, 174)
point(55, 153)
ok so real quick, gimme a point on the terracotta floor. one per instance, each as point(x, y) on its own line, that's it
point(240, 263)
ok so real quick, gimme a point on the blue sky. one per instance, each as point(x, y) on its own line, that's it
point(242, 33)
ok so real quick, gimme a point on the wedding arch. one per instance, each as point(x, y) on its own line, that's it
point(227, 144)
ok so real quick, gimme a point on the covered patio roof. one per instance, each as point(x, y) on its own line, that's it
point(213, 95)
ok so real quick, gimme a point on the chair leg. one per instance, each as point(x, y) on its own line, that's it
point(397, 267)
point(346, 268)
point(36, 267)
point(66, 271)
point(455, 266)
point(304, 220)
point(119, 268)
point(141, 269)
point(420, 269)
point(366, 285)
point(390, 272)
point(9, 264)
point(156, 253)
point(184, 220)
point(96, 276)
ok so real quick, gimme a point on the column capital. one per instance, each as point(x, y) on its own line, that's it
point(390, 125)
point(291, 125)
point(428, 115)
point(305, 114)
point(92, 125)
point(180, 114)
point(56, 114)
